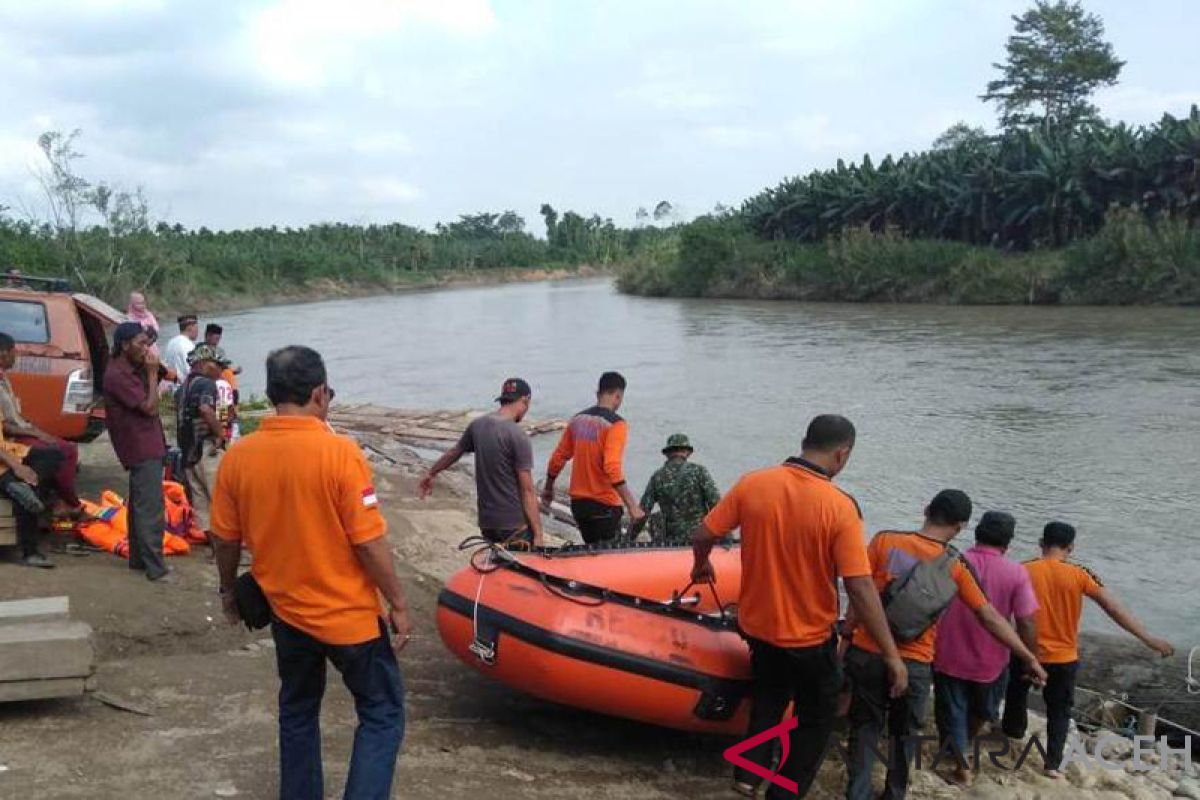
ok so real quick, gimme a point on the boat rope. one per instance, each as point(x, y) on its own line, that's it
point(1131, 725)
point(484, 651)
point(587, 594)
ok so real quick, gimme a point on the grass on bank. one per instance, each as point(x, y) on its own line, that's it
point(1130, 261)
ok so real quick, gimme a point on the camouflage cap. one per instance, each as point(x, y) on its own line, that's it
point(206, 352)
point(677, 441)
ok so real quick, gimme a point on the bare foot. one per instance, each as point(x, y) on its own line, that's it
point(1054, 775)
point(963, 777)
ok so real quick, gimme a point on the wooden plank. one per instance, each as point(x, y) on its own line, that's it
point(13, 691)
point(42, 650)
point(35, 609)
point(8, 537)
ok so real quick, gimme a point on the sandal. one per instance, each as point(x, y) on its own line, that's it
point(745, 789)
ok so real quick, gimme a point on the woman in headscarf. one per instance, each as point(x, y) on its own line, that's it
point(140, 313)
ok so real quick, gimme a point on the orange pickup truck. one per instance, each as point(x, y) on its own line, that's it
point(62, 345)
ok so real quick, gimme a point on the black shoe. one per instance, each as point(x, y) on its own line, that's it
point(37, 561)
point(26, 496)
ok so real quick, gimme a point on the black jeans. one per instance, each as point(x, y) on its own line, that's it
point(370, 672)
point(811, 678)
point(870, 708)
point(597, 522)
point(1059, 695)
point(45, 463)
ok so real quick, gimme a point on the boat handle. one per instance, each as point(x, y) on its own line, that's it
point(678, 599)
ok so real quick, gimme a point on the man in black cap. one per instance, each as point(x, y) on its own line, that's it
point(200, 434)
point(508, 503)
point(131, 405)
point(970, 668)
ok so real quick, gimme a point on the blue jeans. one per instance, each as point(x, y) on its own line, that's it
point(372, 675)
point(961, 707)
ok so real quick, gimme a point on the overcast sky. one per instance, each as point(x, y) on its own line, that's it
point(235, 114)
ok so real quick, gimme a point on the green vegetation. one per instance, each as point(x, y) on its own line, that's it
point(1058, 207)
point(1129, 261)
point(103, 239)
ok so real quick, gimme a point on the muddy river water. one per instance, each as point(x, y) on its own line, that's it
point(1086, 415)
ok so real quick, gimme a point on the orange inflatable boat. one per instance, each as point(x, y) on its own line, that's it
point(606, 630)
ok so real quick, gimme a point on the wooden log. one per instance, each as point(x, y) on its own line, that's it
point(35, 609)
point(43, 650)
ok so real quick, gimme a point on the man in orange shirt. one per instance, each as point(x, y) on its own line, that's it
point(800, 533)
point(1060, 587)
point(595, 439)
point(894, 555)
point(300, 498)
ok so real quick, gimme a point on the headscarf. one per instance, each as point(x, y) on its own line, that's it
point(138, 311)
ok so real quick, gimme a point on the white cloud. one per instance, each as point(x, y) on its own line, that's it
point(673, 82)
point(815, 133)
point(1138, 104)
point(312, 44)
point(389, 190)
point(734, 137)
point(383, 143)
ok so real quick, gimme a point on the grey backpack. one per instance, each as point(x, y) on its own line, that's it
point(914, 601)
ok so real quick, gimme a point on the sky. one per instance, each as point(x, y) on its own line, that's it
point(237, 114)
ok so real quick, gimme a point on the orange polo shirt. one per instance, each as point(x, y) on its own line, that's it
point(799, 534)
point(893, 554)
point(300, 497)
point(595, 439)
point(1060, 587)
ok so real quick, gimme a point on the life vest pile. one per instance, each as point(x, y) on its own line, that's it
point(109, 530)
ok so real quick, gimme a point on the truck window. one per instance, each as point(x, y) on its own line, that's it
point(24, 321)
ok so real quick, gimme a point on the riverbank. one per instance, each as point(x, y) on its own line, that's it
point(332, 289)
point(1128, 262)
point(209, 690)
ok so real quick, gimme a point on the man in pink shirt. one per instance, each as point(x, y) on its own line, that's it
point(969, 665)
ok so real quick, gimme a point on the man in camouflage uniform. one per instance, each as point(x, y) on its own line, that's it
point(683, 490)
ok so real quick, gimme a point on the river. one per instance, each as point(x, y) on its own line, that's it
point(1087, 415)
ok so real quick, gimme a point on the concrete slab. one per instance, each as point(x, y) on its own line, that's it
point(43, 650)
point(13, 691)
point(35, 609)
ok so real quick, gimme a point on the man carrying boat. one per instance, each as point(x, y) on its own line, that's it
point(800, 533)
point(507, 500)
point(1060, 587)
point(595, 440)
point(683, 489)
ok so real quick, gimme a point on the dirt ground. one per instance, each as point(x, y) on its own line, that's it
point(209, 691)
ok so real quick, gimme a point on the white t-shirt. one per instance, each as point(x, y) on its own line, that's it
point(225, 406)
point(176, 353)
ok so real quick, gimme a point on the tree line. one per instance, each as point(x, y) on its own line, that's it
point(1058, 205)
point(104, 239)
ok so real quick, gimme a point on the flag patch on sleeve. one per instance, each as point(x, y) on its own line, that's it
point(369, 498)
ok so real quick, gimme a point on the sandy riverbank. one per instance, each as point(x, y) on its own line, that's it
point(210, 689)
